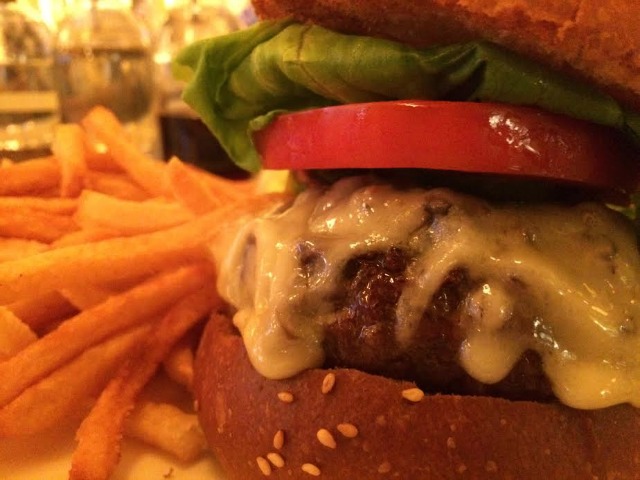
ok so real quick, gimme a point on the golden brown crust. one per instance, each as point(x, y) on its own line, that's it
point(597, 40)
point(440, 437)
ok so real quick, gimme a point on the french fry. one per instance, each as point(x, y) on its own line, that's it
point(97, 155)
point(225, 189)
point(189, 188)
point(117, 185)
point(101, 161)
point(35, 225)
point(86, 296)
point(89, 295)
point(168, 428)
point(97, 210)
point(41, 312)
point(69, 148)
point(15, 248)
point(29, 178)
point(118, 313)
point(58, 396)
point(147, 172)
point(15, 334)
point(85, 235)
point(98, 449)
point(119, 258)
point(60, 206)
point(179, 363)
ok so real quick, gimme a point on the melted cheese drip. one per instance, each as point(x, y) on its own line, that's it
point(563, 281)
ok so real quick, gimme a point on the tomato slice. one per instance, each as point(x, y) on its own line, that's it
point(457, 136)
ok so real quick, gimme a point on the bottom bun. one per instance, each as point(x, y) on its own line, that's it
point(292, 428)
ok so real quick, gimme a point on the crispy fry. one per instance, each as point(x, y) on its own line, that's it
point(97, 155)
point(69, 148)
point(147, 172)
point(91, 294)
point(115, 184)
point(42, 311)
point(58, 396)
point(35, 224)
point(86, 296)
point(167, 427)
point(119, 258)
point(119, 312)
point(29, 178)
point(179, 362)
point(15, 248)
point(16, 334)
point(190, 189)
point(97, 210)
point(49, 205)
point(86, 235)
point(225, 189)
point(99, 435)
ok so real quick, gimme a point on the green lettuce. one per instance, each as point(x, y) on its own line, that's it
point(237, 83)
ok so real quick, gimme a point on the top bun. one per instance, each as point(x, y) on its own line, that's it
point(593, 40)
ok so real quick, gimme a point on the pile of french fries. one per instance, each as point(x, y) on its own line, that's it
point(105, 275)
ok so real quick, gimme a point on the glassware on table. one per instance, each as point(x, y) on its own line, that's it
point(29, 109)
point(103, 56)
point(183, 133)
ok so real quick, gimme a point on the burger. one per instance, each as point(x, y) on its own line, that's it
point(454, 289)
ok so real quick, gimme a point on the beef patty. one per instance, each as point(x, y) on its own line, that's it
point(363, 333)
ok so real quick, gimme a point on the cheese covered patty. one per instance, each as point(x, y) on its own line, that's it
point(556, 283)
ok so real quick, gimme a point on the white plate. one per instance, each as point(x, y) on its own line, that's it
point(47, 457)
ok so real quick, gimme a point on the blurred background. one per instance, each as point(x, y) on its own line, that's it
point(59, 58)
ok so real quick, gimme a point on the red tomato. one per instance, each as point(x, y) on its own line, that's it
point(458, 136)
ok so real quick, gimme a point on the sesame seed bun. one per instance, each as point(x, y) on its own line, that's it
point(343, 423)
point(595, 40)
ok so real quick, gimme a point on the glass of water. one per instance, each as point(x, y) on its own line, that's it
point(28, 100)
point(103, 56)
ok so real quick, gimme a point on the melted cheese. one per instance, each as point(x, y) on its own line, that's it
point(563, 281)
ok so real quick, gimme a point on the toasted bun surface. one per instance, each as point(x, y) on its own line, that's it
point(439, 437)
point(595, 40)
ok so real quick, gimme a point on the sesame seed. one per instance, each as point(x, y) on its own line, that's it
point(286, 397)
point(384, 467)
point(451, 443)
point(311, 469)
point(328, 383)
point(413, 394)
point(348, 430)
point(276, 459)
point(278, 440)
point(263, 465)
point(325, 438)
point(462, 468)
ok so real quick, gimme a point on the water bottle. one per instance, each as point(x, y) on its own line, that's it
point(29, 108)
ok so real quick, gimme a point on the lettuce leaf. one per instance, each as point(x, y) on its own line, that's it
point(239, 82)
